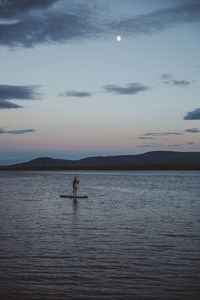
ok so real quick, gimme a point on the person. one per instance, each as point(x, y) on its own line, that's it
point(75, 185)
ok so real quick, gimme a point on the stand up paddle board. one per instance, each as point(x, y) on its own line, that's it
point(72, 197)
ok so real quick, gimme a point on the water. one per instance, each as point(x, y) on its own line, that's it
point(137, 236)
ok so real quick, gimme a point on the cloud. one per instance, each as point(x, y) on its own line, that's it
point(73, 93)
point(156, 134)
point(192, 130)
point(26, 92)
point(14, 92)
point(160, 19)
point(8, 105)
point(129, 89)
point(168, 79)
point(35, 24)
point(144, 146)
point(149, 145)
point(2, 131)
point(190, 143)
point(193, 115)
point(19, 131)
point(146, 138)
point(166, 76)
point(28, 22)
point(16, 8)
point(22, 131)
point(181, 82)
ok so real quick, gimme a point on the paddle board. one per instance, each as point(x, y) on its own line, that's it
point(72, 197)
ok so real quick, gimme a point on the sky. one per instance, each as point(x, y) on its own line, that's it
point(69, 89)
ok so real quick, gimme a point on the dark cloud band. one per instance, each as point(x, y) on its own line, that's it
point(160, 19)
point(74, 22)
point(15, 8)
point(31, 22)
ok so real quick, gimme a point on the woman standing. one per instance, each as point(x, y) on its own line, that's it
point(75, 186)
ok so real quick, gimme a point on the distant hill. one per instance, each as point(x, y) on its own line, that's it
point(156, 160)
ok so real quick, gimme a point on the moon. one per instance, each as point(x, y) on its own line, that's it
point(118, 38)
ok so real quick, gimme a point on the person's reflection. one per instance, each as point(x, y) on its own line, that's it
point(75, 206)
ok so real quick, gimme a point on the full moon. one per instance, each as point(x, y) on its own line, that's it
point(118, 38)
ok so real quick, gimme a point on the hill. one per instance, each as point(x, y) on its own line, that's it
point(155, 160)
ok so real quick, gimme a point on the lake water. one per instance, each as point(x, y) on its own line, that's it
point(137, 236)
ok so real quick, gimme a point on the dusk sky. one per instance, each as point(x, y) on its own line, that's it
point(69, 88)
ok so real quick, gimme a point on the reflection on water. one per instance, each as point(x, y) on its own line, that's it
point(75, 206)
point(135, 237)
